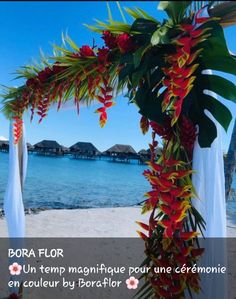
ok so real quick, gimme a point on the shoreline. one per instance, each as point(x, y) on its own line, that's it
point(114, 222)
point(36, 211)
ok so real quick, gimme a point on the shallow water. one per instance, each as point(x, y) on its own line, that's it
point(68, 183)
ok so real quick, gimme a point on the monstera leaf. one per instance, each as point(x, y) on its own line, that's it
point(202, 99)
point(149, 104)
point(215, 54)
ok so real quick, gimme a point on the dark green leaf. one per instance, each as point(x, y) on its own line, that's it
point(207, 131)
point(222, 87)
point(150, 104)
point(144, 26)
point(138, 55)
point(126, 71)
point(220, 112)
point(215, 54)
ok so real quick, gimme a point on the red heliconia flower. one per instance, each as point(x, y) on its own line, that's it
point(179, 75)
point(45, 74)
point(109, 39)
point(43, 107)
point(103, 119)
point(32, 82)
point(125, 43)
point(188, 235)
point(142, 236)
point(188, 134)
point(17, 128)
point(105, 98)
point(86, 51)
point(103, 54)
point(165, 131)
point(57, 68)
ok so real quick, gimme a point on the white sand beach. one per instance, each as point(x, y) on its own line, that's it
point(100, 222)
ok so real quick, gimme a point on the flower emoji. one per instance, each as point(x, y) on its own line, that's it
point(15, 269)
point(132, 283)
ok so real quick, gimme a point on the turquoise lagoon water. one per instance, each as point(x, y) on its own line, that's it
point(68, 183)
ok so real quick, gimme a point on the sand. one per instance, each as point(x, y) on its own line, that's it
point(100, 222)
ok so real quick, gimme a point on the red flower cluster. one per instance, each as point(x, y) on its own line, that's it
point(98, 83)
point(86, 51)
point(58, 68)
point(103, 56)
point(122, 41)
point(188, 134)
point(35, 87)
point(169, 203)
point(42, 77)
point(17, 128)
point(106, 99)
point(165, 130)
point(125, 43)
point(109, 39)
point(34, 94)
point(179, 76)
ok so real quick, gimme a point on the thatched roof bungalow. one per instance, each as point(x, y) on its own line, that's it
point(84, 150)
point(121, 153)
point(49, 147)
point(30, 147)
point(4, 145)
point(143, 152)
point(144, 155)
point(158, 151)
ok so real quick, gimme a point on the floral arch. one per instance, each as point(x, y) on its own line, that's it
point(162, 67)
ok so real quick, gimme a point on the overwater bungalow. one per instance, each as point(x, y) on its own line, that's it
point(121, 153)
point(48, 148)
point(158, 152)
point(144, 156)
point(66, 150)
point(30, 147)
point(4, 146)
point(84, 150)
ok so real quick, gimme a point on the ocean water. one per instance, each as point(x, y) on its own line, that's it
point(68, 183)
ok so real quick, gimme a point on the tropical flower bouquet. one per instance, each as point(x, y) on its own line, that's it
point(161, 66)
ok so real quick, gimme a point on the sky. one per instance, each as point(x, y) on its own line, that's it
point(27, 27)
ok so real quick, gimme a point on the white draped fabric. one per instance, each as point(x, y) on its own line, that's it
point(210, 187)
point(209, 179)
point(209, 184)
point(13, 201)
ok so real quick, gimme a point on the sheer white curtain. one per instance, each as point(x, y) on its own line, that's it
point(209, 183)
point(13, 201)
point(210, 187)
